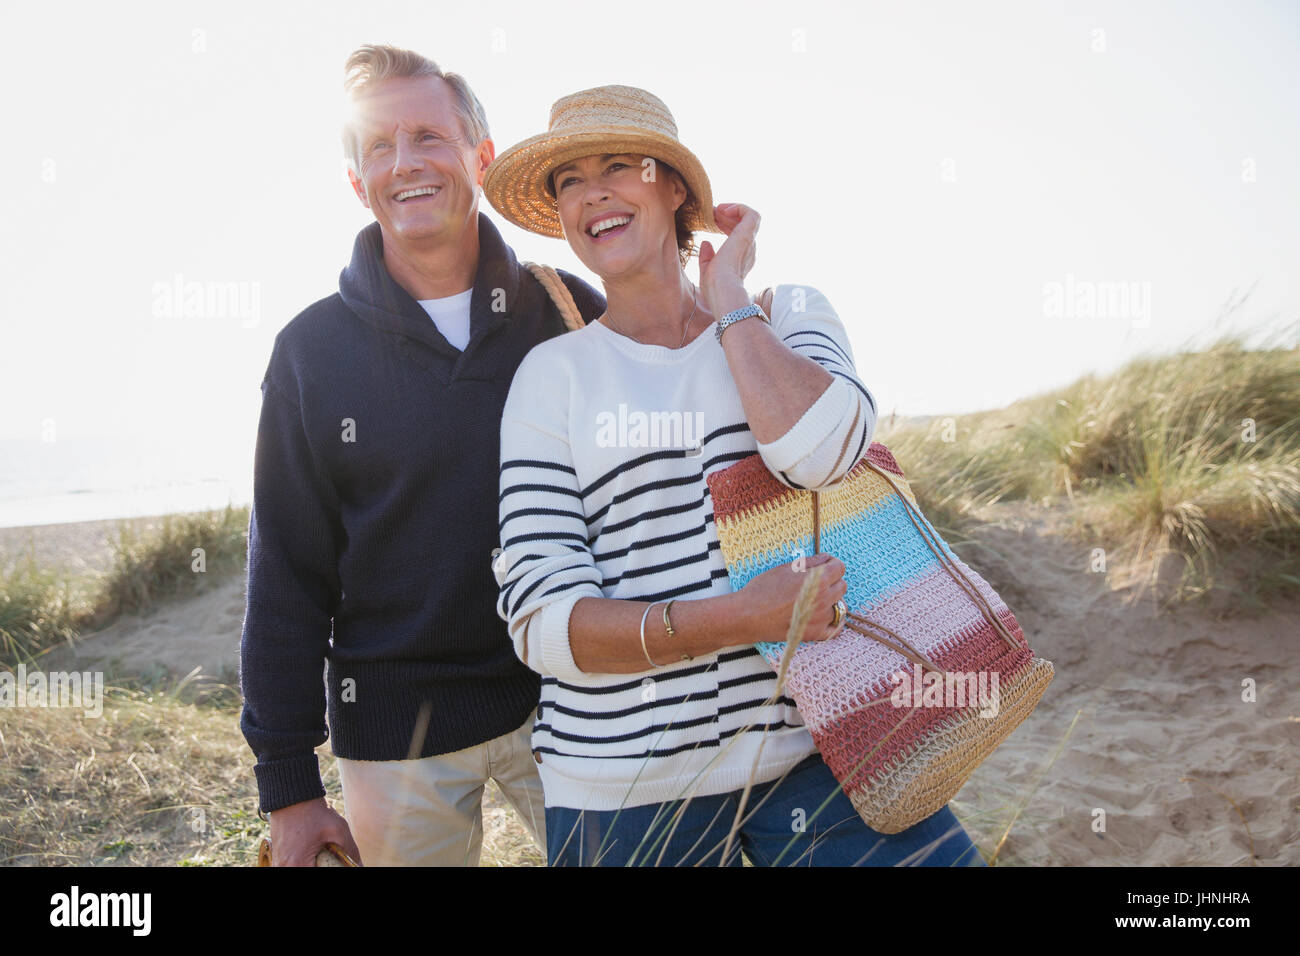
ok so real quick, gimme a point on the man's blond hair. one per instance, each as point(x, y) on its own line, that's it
point(374, 63)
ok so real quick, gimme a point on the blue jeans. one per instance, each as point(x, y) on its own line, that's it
point(782, 827)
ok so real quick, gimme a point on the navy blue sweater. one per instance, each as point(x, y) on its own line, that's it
point(374, 520)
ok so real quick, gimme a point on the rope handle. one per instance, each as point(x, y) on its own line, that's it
point(559, 293)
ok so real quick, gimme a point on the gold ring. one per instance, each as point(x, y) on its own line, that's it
point(841, 612)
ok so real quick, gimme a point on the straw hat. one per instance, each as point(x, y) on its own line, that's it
point(605, 119)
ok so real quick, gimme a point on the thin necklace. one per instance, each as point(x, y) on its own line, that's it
point(694, 294)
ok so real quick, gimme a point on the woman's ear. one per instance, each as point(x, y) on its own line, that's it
point(680, 192)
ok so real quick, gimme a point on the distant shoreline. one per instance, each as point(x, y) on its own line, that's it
point(72, 507)
point(72, 546)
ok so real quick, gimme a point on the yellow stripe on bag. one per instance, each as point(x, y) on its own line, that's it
point(789, 517)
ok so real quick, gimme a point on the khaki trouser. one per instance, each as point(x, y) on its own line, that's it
point(428, 812)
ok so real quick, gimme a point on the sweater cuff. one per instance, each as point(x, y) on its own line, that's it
point(282, 783)
point(557, 655)
point(808, 433)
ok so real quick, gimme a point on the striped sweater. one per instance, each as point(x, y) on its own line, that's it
point(606, 444)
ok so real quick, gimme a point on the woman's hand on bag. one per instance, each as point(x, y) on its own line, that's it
point(770, 598)
point(723, 270)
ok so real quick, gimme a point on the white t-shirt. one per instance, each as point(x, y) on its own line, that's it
point(451, 316)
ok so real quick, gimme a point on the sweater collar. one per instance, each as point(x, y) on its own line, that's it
point(369, 291)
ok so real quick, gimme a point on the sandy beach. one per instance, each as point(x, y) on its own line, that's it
point(79, 546)
point(1142, 752)
point(1144, 727)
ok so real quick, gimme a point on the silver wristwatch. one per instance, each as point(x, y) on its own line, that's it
point(731, 318)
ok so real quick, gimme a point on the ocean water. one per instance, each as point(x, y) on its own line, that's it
point(90, 479)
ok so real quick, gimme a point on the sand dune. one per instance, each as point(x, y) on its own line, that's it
point(198, 631)
point(1150, 711)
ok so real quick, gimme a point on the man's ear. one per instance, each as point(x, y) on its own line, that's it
point(487, 151)
point(358, 187)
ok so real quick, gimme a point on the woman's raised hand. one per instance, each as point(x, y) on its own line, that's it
point(770, 598)
point(723, 270)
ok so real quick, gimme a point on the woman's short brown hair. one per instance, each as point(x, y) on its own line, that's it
point(685, 238)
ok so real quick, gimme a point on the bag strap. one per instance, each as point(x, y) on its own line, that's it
point(559, 293)
point(563, 298)
point(958, 576)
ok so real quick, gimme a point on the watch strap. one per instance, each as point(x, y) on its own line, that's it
point(746, 312)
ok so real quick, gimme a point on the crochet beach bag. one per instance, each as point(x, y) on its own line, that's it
point(930, 673)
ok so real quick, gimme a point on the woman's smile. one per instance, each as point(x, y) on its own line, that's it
point(606, 227)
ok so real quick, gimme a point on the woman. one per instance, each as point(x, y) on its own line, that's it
point(656, 710)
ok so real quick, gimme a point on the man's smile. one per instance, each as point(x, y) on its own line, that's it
point(416, 193)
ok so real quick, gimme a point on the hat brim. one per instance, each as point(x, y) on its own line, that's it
point(515, 182)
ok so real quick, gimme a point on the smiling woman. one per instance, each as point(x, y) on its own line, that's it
point(612, 580)
point(649, 169)
point(650, 200)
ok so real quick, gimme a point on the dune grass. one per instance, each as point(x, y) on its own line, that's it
point(162, 563)
point(162, 778)
point(1193, 457)
point(156, 780)
point(41, 608)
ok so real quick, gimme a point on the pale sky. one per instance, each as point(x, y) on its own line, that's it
point(932, 167)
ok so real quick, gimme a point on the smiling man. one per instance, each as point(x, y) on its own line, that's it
point(375, 502)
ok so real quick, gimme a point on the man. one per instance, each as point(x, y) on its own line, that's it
point(375, 502)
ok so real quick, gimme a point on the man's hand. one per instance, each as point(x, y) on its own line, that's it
point(300, 831)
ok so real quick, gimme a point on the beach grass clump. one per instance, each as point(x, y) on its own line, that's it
point(1193, 457)
point(40, 609)
point(42, 606)
point(166, 559)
